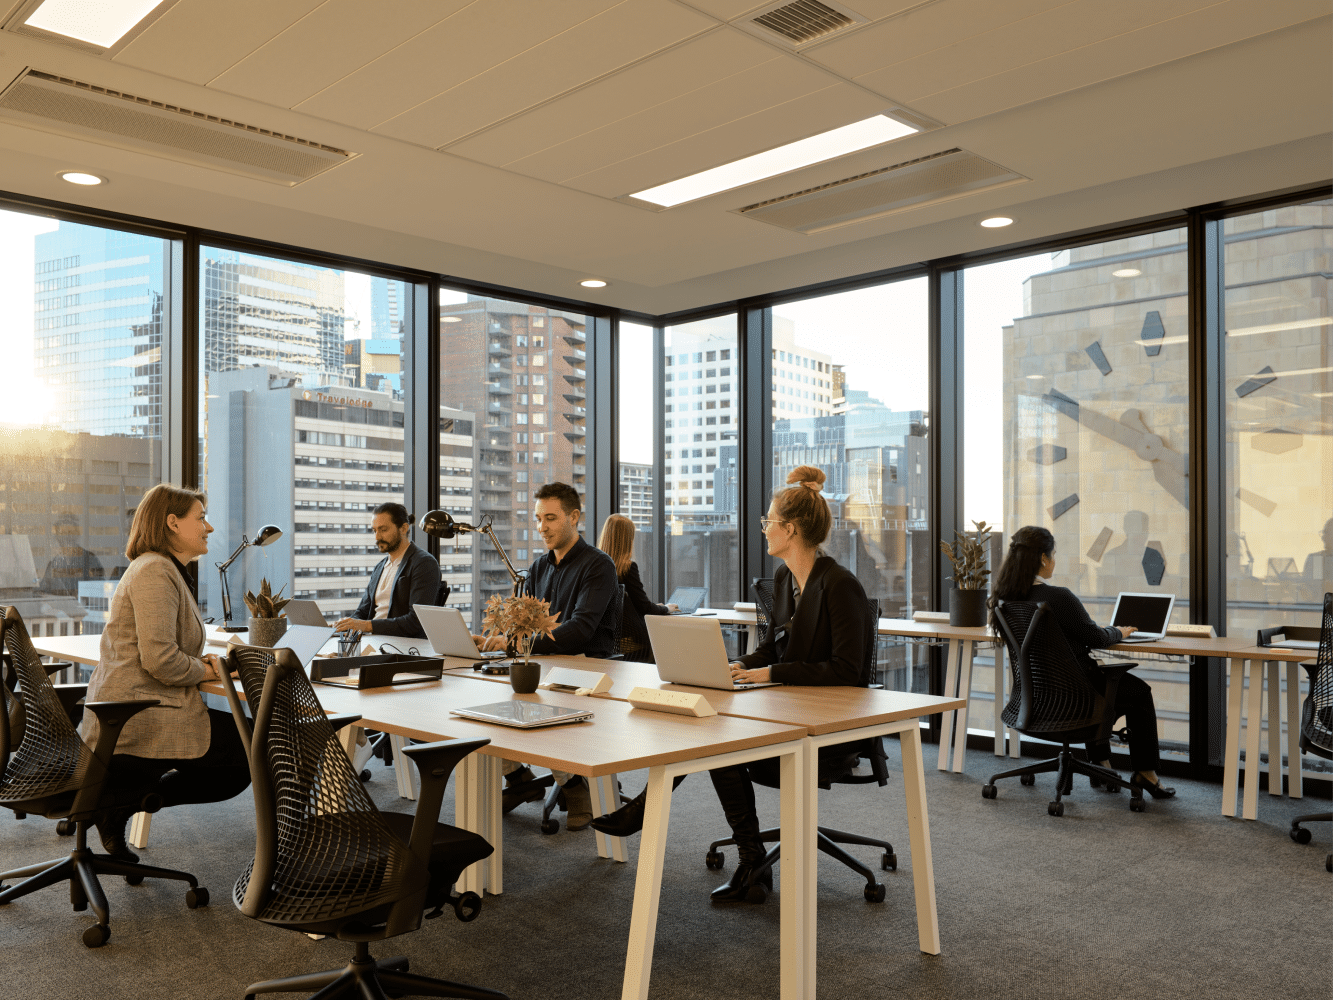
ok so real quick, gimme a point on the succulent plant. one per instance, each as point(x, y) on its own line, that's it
point(968, 556)
point(267, 604)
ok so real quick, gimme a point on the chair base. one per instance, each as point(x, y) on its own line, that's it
point(366, 978)
point(1303, 836)
point(827, 840)
point(80, 869)
point(1066, 765)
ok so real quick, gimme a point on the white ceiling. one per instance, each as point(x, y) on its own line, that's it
point(494, 135)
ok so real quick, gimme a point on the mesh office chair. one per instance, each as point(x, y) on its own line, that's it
point(326, 860)
point(71, 699)
point(53, 773)
point(1054, 699)
point(763, 608)
point(633, 642)
point(1317, 718)
point(828, 839)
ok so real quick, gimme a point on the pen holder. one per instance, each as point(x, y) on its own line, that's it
point(349, 644)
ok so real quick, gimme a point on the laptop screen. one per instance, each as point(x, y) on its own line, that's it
point(688, 599)
point(1146, 612)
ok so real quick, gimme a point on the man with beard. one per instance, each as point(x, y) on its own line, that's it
point(407, 575)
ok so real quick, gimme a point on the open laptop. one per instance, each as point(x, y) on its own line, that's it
point(688, 599)
point(448, 633)
point(690, 651)
point(304, 613)
point(1149, 613)
point(305, 640)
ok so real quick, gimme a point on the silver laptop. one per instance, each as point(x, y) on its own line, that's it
point(1149, 613)
point(305, 641)
point(688, 599)
point(304, 613)
point(522, 714)
point(690, 651)
point(448, 633)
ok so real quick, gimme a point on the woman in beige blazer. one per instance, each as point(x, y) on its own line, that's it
point(152, 648)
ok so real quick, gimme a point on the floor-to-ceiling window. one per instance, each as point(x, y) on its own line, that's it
point(636, 489)
point(1076, 400)
point(701, 474)
point(82, 317)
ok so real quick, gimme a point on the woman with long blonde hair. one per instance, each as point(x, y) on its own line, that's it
point(617, 541)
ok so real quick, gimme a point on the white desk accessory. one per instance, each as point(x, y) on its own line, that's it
point(579, 681)
point(672, 702)
point(743, 606)
point(1192, 631)
point(942, 617)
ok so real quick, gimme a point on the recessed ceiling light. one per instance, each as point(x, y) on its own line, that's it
point(593, 283)
point(102, 23)
point(451, 319)
point(81, 177)
point(793, 156)
point(1126, 272)
point(997, 222)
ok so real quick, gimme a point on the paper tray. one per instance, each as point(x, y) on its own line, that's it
point(376, 671)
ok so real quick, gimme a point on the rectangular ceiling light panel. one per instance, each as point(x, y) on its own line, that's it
point(103, 22)
point(86, 111)
point(793, 156)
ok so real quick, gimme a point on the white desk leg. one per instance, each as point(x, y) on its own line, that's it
point(998, 688)
point(1254, 720)
point(800, 819)
point(1231, 761)
point(918, 831)
point(965, 692)
point(405, 770)
point(1294, 782)
point(490, 783)
point(1273, 677)
point(950, 691)
point(469, 815)
point(647, 886)
point(139, 825)
point(605, 799)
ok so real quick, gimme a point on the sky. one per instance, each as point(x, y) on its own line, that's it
point(25, 400)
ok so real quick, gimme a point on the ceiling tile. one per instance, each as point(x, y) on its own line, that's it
point(624, 34)
point(481, 35)
point(734, 99)
point(725, 10)
point(198, 39)
point(686, 68)
point(329, 43)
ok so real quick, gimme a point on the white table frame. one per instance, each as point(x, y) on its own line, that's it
point(1262, 673)
point(960, 653)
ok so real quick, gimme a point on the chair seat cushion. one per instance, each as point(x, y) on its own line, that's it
point(451, 851)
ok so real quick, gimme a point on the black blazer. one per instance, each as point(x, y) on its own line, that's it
point(825, 638)
point(418, 583)
point(636, 597)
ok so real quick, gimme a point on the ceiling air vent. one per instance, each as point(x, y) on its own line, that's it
point(928, 180)
point(86, 111)
point(800, 22)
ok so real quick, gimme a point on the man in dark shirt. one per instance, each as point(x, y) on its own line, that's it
point(580, 583)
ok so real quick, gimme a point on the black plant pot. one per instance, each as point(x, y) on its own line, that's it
point(967, 608)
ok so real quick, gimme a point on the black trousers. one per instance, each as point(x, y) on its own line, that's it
point(221, 773)
point(1133, 700)
point(735, 790)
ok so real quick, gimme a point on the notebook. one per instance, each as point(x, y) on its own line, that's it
point(690, 651)
point(448, 633)
point(522, 714)
point(1149, 613)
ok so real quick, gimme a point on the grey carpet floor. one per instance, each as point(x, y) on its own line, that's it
point(1102, 902)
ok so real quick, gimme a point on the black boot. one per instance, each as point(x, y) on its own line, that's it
point(111, 830)
point(736, 793)
point(745, 885)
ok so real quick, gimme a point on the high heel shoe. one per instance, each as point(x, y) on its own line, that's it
point(1154, 788)
point(625, 821)
point(745, 886)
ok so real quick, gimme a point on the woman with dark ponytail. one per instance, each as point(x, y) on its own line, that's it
point(1029, 563)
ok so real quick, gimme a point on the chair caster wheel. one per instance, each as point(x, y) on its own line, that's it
point(1300, 835)
point(550, 826)
point(134, 880)
point(1113, 788)
point(875, 893)
point(364, 776)
point(888, 861)
point(715, 860)
point(1027, 779)
point(467, 907)
point(23, 815)
point(1137, 805)
point(196, 897)
point(1055, 808)
point(1328, 863)
point(989, 791)
point(96, 935)
point(65, 827)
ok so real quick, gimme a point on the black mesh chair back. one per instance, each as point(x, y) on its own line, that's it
point(442, 595)
point(634, 643)
point(763, 608)
point(1052, 693)
point(606, 639)
point(1317, 712)
point(13, 703)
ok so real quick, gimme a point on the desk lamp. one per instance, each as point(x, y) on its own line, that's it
point(268, 533)
point(440, 524)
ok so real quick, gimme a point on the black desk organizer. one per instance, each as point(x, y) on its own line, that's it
point(376, 671)
point(1307, 633)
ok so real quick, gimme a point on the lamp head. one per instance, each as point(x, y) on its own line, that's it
point(268, 533)
point(439, 524)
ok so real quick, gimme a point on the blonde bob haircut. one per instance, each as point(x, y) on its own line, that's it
point(617, 541)
point(803, 506)
point(148, 530)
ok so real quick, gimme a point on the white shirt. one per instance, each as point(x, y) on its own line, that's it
point(384, 592)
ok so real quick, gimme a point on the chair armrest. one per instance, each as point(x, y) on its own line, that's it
point(1116, 670)
point(70, 695)
point(340, 721)
point(435, 763)
point(111, 719)
point(55, 666)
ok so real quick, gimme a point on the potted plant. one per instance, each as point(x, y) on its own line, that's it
point(267, 623)
point(520, 620)
point(967, 599)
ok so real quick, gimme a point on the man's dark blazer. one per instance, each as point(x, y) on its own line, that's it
point(418, 583)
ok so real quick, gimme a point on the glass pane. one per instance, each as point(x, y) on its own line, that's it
point(301, 423)
point(636, 447)
point(518, 373)
point(81, 416)
point(701, 424)
point(850, 395)
point(1077, 419)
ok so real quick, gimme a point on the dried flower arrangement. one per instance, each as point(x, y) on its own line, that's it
point(267, 604)
point(968, 556)
point(519, 619)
